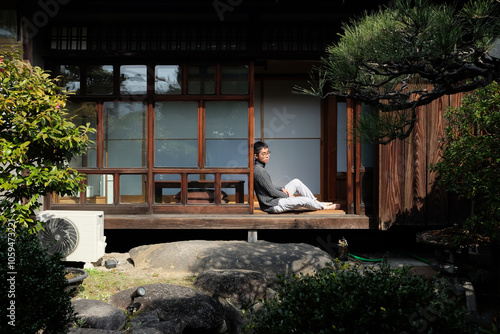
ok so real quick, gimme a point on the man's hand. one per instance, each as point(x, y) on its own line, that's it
point(287, 192)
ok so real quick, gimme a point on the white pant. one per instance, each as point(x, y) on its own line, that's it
point(305, 200)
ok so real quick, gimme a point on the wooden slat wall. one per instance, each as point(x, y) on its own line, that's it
point(408, 191)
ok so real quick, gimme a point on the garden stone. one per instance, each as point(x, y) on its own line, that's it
point(191, 258)
point(177, 307)
point(100, 315)
point(170, 327)
point(146, 331)
point(94, 331)
point(240, 288)
point(144, 319)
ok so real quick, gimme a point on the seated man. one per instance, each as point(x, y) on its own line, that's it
point(275, 199)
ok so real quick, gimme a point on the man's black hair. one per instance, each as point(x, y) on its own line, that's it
point(259, 145)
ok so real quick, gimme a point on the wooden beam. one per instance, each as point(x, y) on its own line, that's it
point(244, 222)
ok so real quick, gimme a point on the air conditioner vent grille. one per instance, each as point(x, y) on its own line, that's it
point(59, 235)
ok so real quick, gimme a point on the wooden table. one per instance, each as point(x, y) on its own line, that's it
point(238, 185)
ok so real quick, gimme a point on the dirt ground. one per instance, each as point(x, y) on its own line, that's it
point(122, 263)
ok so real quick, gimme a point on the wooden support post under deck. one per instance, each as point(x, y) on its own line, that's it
point(252, 236)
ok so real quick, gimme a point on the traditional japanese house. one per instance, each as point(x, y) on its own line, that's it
point(180, 90)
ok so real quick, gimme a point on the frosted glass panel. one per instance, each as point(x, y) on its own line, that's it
point(234, 79)
point(225, 120)
point(227, 153)
point(176, 134)
point(125, 153)
point(341, 137)
point(295, 159)
point(289, 115)
point(168, 79)
point(176, 120)
point(125, 134)
point(226, 132)
point(201, 79)
point(133, 79)
point(81, 114)
point(257, 110)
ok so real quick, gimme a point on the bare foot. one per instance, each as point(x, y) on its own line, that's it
point(334, 206)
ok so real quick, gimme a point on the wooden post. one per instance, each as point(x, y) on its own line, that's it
point(252, 236)
point(350, 155)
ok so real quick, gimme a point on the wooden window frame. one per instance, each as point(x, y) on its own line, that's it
point(149, 171)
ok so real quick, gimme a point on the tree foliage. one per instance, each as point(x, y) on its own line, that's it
point(407, 55)
point(470, 156)
point(36, 138)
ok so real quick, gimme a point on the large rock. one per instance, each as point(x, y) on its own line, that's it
point(241, 288)
point(98, 314)
point(190, 258)
point(176, 308)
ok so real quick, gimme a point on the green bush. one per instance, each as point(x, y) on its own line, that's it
point(361, 300)
point(470, 156)
point(33, 286)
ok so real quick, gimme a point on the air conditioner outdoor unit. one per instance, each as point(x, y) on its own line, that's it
point(78, 235)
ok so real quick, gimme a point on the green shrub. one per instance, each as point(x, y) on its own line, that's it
point(470, 156)
point(361, 300)
point(37, 140)
point(35, 282)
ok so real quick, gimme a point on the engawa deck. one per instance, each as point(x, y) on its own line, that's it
point(325, 219)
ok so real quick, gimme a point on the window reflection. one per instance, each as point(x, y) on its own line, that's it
point(8, 24)
point(168, 79)
point(100, 79)
point(70, 78)
point(133, 79)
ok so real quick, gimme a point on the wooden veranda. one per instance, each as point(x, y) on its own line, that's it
point(327, 219)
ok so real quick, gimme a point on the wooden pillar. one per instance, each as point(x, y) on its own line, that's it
point(357, 164)
point(329, 139)
point(350, 156)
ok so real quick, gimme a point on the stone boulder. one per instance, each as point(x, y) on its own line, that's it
point(191, 258)
point(172, 309)
point(241, 288)
point(98, 314)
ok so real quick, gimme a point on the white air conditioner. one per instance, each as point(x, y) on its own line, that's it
point(78, 235)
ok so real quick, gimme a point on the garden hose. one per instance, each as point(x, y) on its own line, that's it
point(379, 260)
point(364, 259)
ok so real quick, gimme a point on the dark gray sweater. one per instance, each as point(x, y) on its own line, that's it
point(268, 195)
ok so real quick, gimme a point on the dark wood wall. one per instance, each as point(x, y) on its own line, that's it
point(409, 193)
